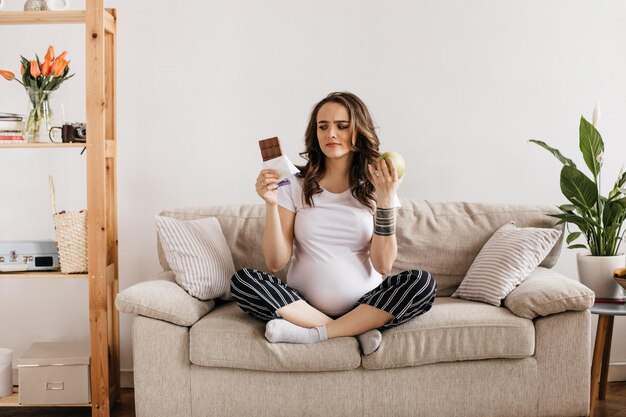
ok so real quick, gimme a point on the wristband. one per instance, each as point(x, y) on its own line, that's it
point(384, 221)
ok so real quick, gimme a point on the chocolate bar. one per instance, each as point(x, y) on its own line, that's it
point(270, 148)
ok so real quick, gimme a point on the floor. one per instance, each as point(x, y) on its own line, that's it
point(613, 406)
point(615, 403)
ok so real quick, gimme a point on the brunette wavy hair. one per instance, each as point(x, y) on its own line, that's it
point(365, 150)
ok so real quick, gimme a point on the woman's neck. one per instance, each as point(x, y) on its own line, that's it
point(336, 177)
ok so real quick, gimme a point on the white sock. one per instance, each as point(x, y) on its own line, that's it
point(280, 330)
point(370, 341)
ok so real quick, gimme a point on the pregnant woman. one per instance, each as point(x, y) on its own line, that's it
point(337, 219)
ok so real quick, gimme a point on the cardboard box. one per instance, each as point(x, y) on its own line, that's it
point(53, 373)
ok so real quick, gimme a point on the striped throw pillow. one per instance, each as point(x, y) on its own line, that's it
point(197, 252)
point(508, 257)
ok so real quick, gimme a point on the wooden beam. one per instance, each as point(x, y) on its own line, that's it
point(110, 149)
point(110, 21)
point(96, 202)
point(111, 196)
point(41, 145)
point(41, 274)
point(43, 17)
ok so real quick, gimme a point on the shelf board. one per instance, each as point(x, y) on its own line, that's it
point(42, 17)
point(13, 400)
point(41, 274)
point(41, 144)
point(53, 17)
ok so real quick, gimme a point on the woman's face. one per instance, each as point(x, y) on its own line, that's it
point(333, 131)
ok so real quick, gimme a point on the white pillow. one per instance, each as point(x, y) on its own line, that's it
point(508, 257)
point(197, 252)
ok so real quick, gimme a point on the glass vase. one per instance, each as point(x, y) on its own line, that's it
point(44, 111)
point(35, 5)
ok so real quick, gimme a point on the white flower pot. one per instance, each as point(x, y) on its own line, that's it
point(596, 272)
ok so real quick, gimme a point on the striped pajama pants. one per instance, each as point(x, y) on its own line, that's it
point(404, 296)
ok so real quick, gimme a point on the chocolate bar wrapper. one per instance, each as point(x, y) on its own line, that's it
point(284, 166)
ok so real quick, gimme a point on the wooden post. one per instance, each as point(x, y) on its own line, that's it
point(111, 198)
point(97, 224)
point(606, 357)
point(598, 354)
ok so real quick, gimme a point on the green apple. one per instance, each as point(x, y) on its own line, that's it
point(397, 159)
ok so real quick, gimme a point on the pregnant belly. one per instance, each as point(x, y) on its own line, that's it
point(333, 287)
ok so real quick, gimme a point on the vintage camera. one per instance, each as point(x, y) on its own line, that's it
point(71, 132)
point(74, 132)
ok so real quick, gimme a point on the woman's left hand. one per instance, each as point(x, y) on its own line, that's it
point(385, 180)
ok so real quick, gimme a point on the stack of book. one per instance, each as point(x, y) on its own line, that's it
point(11, 128)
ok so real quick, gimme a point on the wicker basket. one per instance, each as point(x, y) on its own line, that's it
point(71, 235)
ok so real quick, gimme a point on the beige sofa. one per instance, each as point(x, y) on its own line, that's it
point(530, 357)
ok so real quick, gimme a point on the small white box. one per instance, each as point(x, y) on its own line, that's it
point(6, 372)
point(53, 373)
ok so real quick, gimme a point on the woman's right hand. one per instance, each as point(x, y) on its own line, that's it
point(266, 186)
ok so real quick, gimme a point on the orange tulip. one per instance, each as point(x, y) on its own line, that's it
point(62, 56)
point(50, 54)
point(22, 69)
point(58, 67)
point(8, 75)
point(46, 67)
point(34, 69)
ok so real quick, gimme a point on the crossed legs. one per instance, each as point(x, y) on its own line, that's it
point(357, 321)
point(291, 319)
point(353, 323)
point(303, 323)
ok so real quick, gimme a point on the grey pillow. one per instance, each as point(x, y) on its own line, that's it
point(547, 292)
point(162, 299)
point(507, 259)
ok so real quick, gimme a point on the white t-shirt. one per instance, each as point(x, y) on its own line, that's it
point(331, 264)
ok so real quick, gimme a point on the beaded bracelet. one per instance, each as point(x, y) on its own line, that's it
point(384, 222)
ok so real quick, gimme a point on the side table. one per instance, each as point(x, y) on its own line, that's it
point(602, 350)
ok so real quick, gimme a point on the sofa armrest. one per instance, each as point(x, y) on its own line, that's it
point(163, 299)
point(547, 292)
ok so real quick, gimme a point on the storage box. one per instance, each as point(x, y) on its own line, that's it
point(52, 373)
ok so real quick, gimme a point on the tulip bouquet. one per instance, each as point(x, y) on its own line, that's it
point(600, 219)
point(40, 79)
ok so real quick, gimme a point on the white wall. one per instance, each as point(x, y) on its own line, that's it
point(458, 87)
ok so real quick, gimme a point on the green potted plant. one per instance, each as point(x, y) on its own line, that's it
point(599, 219)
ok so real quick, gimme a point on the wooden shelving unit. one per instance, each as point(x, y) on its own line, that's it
point(13, 401)
point(100, 43)
point(42, 145)
point(45, 275)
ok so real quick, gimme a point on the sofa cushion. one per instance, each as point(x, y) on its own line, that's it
point(229, 338)
point(197, 252)
point(454, 330)
point(547, 292)
point(162, 299)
